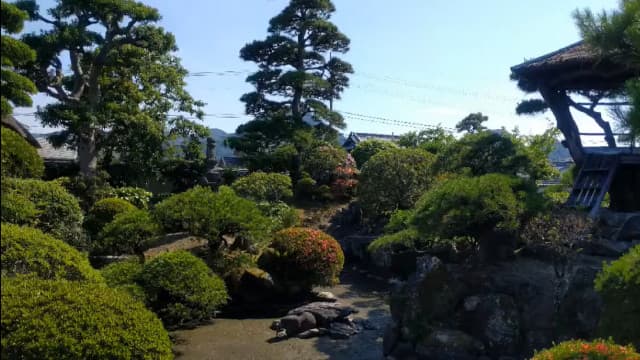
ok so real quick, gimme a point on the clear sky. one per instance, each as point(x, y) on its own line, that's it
point(422, 61)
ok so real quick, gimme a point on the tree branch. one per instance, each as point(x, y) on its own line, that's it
point(608, 134)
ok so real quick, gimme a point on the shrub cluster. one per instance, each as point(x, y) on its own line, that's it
point(368, 148)
point(557, 233)
point(45, 319)
point(320, 163)
point(303, 257)
point(29, 251)
point(19, 158)
point(123, 275)
point(260, 186)
point(130, 232)
point(139, 197)
point(103, 212)
point(58, 212)
point(281, 215)
point(588, 350)
point(619, 285)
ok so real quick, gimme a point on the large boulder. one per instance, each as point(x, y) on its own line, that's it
point(445, 344)
point(630, 231)
point(325, 313)
point(296, 324)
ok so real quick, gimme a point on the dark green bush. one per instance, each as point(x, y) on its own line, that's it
point(19, 158)
point(404, 239)
point(131, 232)
point(29, 251)
point(394, 179)
point(305, 187)
point(88, 190)
point(45, 319)
point(260, 186)
point(103, 212)
point(366, 149)
point(139, 197)
point(321, 162)
point(124, 275)
point(58, 211)
point(588, 350)
point(202, 212)
point(619, 285)
point(181, 288)
point(303, 257)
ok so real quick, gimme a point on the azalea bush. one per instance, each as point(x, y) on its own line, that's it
point(303, 257)
point(588, 350)
point(19, 158)
point(320, 163)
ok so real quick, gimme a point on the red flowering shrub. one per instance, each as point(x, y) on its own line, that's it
point(345, 183)
point(595, 350)
point(303, 257)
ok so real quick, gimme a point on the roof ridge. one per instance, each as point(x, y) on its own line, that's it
point(546, 56)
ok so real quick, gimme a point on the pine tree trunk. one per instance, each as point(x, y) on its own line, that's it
point(87, 155)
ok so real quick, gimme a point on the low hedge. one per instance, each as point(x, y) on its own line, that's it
point(181, 288)
point(29, 251)
point(588, 350)
point(47, 319)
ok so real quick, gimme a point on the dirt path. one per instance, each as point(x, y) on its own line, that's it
point(248, 339)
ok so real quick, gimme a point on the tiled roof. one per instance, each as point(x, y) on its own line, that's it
point(50, 153)
point(15, 125)
point(574, 54)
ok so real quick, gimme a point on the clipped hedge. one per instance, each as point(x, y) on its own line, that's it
point(260, 186)
point(58, 212)
point(619, 285)
point(304, 257)
point(103, 212)
point(19, 158)
point(588, 350)
point(181, 288)
point(29, 251)
point(130, 232)
point(123, 275)
point(368, 148)
point(45, 319)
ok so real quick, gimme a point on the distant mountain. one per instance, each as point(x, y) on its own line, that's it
point(560, 154)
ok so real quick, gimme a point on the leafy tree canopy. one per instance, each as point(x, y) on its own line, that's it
point(472, 123)
point(433, 140)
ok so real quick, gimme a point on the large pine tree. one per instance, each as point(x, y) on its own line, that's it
point(299, 76)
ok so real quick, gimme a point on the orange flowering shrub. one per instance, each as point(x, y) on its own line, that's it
point(582, 350)
point(303, 257)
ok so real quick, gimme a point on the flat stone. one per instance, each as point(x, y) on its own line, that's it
point(324, 312)
point(339, 330)
point(295, 324)
point(309, 333)
point(326, 296)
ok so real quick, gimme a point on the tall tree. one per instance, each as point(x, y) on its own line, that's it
point(298, 78)
point(617, 35)
point(472, 123)
point(124, 80)
point(15, 88)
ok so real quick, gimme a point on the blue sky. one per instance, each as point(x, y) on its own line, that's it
point(422, 61)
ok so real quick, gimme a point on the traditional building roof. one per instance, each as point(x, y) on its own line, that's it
point(51, 154)
point(15, 125)
point(355, 138)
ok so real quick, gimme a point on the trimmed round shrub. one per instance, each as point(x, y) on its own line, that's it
point(139, 197)
point(181, 288)
point(130, 232)
point(103, 212)
point(304, 257)
point(588, 350)
point(47, 319)
point(394, 179)
point(30, 251)
point(19, 158)
point(321, 162)
point(260, 186)
point(17, 209)
point(203, 212)
point(123, 275)
point(58, 211)
point(366, 149)
point(281, 215)
point(619, 285)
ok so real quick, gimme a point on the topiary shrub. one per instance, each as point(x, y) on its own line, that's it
point(366, 149)
point(103, 212)
point(305, 187)
point(17, 209)
point(124, 275)
point(202, 212)
point(58, 211)
point(19, 158)
point(320, 163)
point(303, 257)
point(394, 179)
point(181, 288)
point(45, 319)
point(130, 232)
point(260, 186)
point(139, 197)
point(588, 350)
point(29, 251)
point(619, 285)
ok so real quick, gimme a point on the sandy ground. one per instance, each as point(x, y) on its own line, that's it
point(249, 339)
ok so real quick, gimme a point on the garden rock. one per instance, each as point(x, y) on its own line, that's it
point(326, 296)
point(342, 330)
point(494, 319)
point(449, 344)
point(325, 313)
point(316, 319)
point(296, 324)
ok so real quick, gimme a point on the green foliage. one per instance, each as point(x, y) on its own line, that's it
point(103, 212)
point(619, 285)
point(88, 190)
point(181, 288)
point(135, 195)
point(123, 275)
point(29, 251)
point(281, 215)
point(17, 209)
point(366, 149)
point(588, 350)
point(471, 207)
point(15, 88)
point(394, 179)
point(45, 319)
point(434, 140)
point(293, 85)
point(260, 186)
point(303, 257)
point(123, 76)
point(404, 239)
point(130, 232)
point(58, 211)
point(202, 212)
point(558, 233)
point(399, 220)
point(472, 123)
point(19, 158)
point(320, 162)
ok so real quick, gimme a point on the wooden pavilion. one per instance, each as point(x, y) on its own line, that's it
point(578, 71)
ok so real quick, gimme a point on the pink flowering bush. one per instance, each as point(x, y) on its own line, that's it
point(583, 350)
